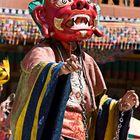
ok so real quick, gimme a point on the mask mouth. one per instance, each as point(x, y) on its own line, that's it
point(78, 22)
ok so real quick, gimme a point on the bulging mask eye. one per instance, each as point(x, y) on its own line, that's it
point(91, 2)
point(61, 3)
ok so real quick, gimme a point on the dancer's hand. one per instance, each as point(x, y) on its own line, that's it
point(128, 101)
point(70, 65)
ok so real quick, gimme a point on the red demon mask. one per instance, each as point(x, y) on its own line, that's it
point(67, 20)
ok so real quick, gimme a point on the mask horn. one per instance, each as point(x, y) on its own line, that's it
point(38, 14)
point(36, 10)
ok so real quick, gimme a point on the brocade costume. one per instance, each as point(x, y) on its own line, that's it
point(48, 105)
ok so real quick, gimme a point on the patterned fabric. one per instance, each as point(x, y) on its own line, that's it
point(40, 104)
point(31, 8)
point(73, 126)
point(107, 120)
point(40, 108)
